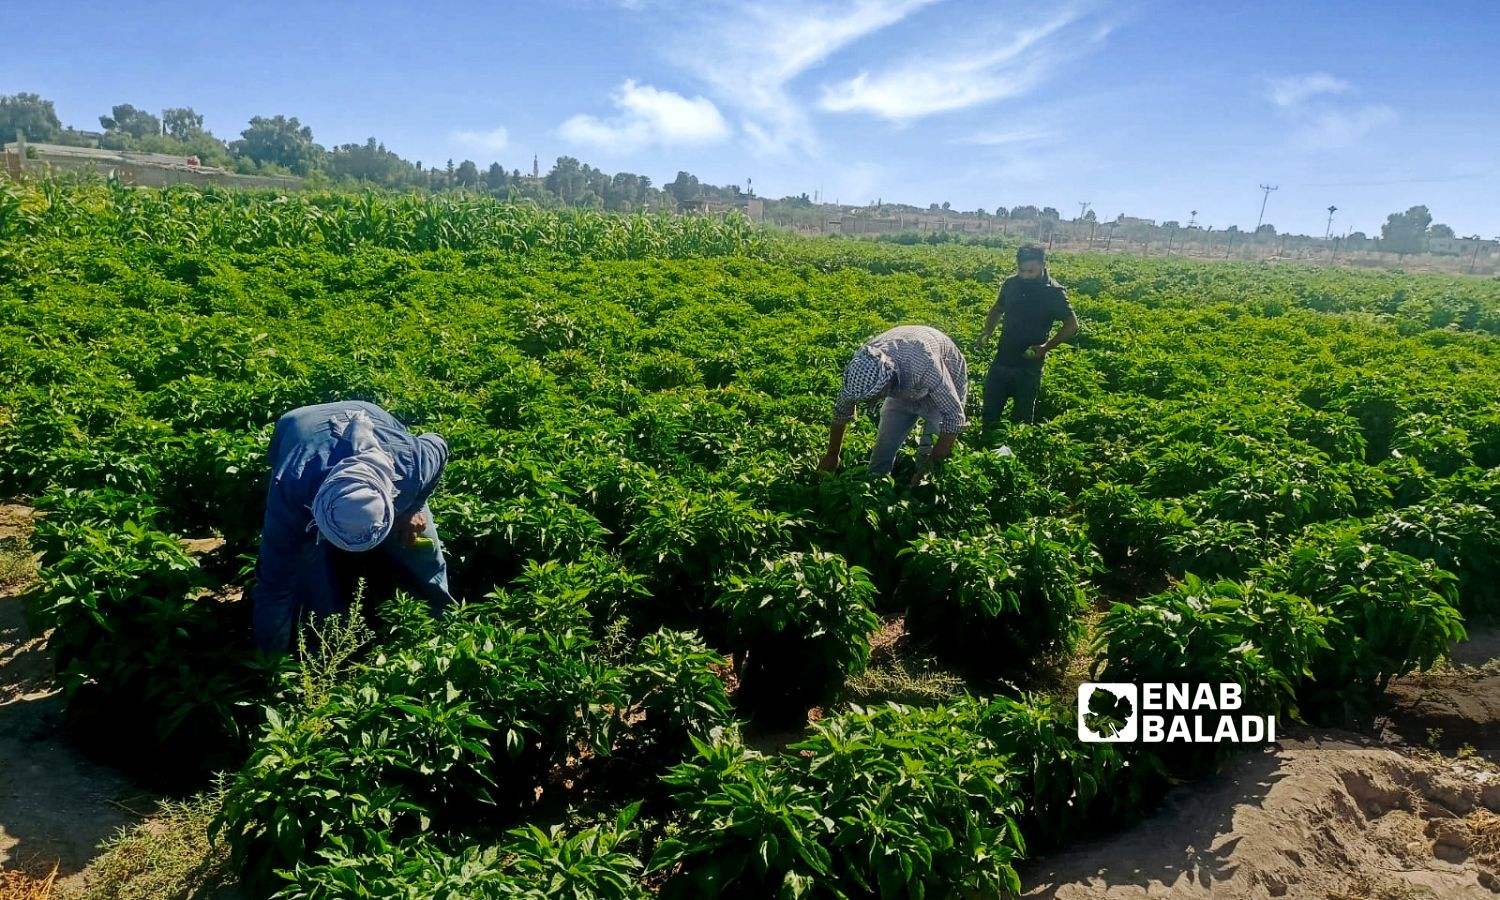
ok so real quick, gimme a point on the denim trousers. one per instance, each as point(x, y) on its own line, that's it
point(897, 419)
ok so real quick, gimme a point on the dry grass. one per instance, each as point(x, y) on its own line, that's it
point(18, 565)
point(170, 855)
point(19, 886)
point(1484, 832)
point(1368, 888)
point(902, 682)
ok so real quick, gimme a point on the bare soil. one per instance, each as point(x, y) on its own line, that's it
point(1411, 809)
point(56, 805)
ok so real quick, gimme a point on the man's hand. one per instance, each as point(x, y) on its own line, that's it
point(411, 528)
point(980, 341)
point(1037, 351)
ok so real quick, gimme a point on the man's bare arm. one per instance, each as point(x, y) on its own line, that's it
point(1068, 329)
point(830, 460)
point(1064, 334)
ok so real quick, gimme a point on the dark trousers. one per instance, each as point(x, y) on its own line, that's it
point(1003, 383)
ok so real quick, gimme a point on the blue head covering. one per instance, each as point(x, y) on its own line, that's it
point(355, 506)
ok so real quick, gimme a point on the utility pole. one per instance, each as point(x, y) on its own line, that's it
point(1474, 260)
point(1328, 232)
point(1267, 189)
point(1083, 209)
point(1193, 220)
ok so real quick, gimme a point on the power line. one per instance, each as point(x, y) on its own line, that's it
point(1267, 189)
point(1328, 232)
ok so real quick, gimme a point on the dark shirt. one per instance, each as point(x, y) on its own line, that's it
point(1029, 307)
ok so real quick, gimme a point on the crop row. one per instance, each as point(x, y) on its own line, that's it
point(1291, 473)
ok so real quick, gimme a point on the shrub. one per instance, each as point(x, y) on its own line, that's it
point(463, 724)
point(591, 864)
point(143, 648)
point(802, 623)
point(747, 829)
point(993, 601)
point(671, 679)
point(889, 802)
point(1067, 787)
point(1225, 631)
point(690, 540)
point(1463, 538)
point(1389, 613)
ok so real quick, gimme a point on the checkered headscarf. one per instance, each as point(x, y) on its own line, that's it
point(868, 375)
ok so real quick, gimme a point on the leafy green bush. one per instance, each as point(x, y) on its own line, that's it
point(889, 802)
point(671, 679)
point(1067, 787)
point(1388, 613)
point(691, 540)
point(1463, 538)
point(1208, 633)
point(143, 648)
point(592, 864)
point(994, 601)
point(801, 623)
point(462, 725)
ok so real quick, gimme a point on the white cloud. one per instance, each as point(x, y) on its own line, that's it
point(1338, 128)
point(750, 53)
point(1005, 137)
point(494, 140)
point(647, 116)
point(1320, 119)
point(943, 80)
point(1294, 90)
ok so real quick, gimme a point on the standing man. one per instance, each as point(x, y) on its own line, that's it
point(921, 374)
point(1029, 303)
point(347, 498)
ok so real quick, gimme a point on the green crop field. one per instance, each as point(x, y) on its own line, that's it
point(1283, 477)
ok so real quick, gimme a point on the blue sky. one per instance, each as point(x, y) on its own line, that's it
point(1151, 107)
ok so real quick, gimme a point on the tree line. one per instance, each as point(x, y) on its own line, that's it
point(283, 145)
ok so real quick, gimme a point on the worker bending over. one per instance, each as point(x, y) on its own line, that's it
point(921, 374)
point(1029, 303)
point(347, 498)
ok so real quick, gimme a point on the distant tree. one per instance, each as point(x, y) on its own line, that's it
point(1267, 229)
point(495, 178)
point(1440, 230)
point(1169, 224)
point(278, 141)
point(467, 174)
point(684, 187)
point(1358, 237)
point(1090, 216)
point(1406, 232)
point(1001, 212)
point(567, 180)
point(29, 114)
point(126, 119)
point(371, 162)
point(181, 122)
point(1051, 213)
point(1025, 212)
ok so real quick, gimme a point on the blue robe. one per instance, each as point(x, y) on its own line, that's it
point(297, 574)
